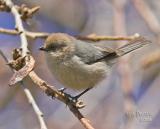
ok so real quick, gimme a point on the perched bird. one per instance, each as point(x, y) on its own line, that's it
point(80, 65)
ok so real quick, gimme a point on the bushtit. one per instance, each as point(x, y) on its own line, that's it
point(81, 65)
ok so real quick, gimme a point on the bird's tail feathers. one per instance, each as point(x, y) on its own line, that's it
point(132, 45)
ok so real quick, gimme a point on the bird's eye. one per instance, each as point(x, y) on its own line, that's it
point(55, 47)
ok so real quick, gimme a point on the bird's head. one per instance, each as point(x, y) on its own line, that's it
point(59, 45)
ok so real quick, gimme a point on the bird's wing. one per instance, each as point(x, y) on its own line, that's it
point(89, 53)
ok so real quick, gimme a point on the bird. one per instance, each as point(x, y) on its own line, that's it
point(81, 65)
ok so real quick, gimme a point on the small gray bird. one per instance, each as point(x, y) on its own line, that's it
point(80, 65)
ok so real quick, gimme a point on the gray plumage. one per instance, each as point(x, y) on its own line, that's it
point(80, 65)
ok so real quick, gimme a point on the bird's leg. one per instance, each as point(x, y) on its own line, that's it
point(74, 98)
point(82, 93)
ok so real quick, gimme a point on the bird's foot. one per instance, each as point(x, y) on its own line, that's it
point(62, 89)
point(75, 99)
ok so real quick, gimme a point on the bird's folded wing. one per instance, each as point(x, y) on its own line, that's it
point(89, 53)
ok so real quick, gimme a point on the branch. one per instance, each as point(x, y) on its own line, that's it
point(25, 50)
point(147, 14)
point(154, 25)
point(23, 10)
point(35, 106)
point(51, 91)
point(123, 67)
point(92, 37)
point(48, 89)
point(32, 35)
point(30, 99)
point(150, 59)
point(19, 26)
point(95, 38)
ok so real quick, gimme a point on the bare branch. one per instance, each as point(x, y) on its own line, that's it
point(148, 15)
point(26, 12)
point(124, 67)
point(9, 31)
point(30, 99)
point(29, 34)
point(95, 38)
point(151, 59)
point(154, 25)
point(19, 26)
point(51, 91)
point(35, 107)
point(25, 50)
point(23, 10)
point(92, 37)
point(42, 84)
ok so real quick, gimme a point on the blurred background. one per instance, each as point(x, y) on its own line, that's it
point(127, 99)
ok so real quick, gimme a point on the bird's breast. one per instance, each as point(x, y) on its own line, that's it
point(75, 74)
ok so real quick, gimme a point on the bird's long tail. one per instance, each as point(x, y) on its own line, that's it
point(132, 45)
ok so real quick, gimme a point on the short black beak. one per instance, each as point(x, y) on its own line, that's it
point(42, 48)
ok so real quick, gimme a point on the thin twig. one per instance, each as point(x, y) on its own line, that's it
point(30, 99)
point(35, 106)
point(29, 34)
point(93, 38)
point(96, 38)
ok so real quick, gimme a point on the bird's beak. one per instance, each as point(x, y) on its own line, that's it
point(42, 48)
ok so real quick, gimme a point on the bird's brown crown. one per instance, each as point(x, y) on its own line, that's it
point(58, 39)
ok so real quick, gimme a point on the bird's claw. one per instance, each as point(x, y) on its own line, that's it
point(62, 89)
point(74, 99)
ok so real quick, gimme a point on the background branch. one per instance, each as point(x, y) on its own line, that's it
point(124, 69)
point(147, 14)
point(154, 25)
point(91, 37)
